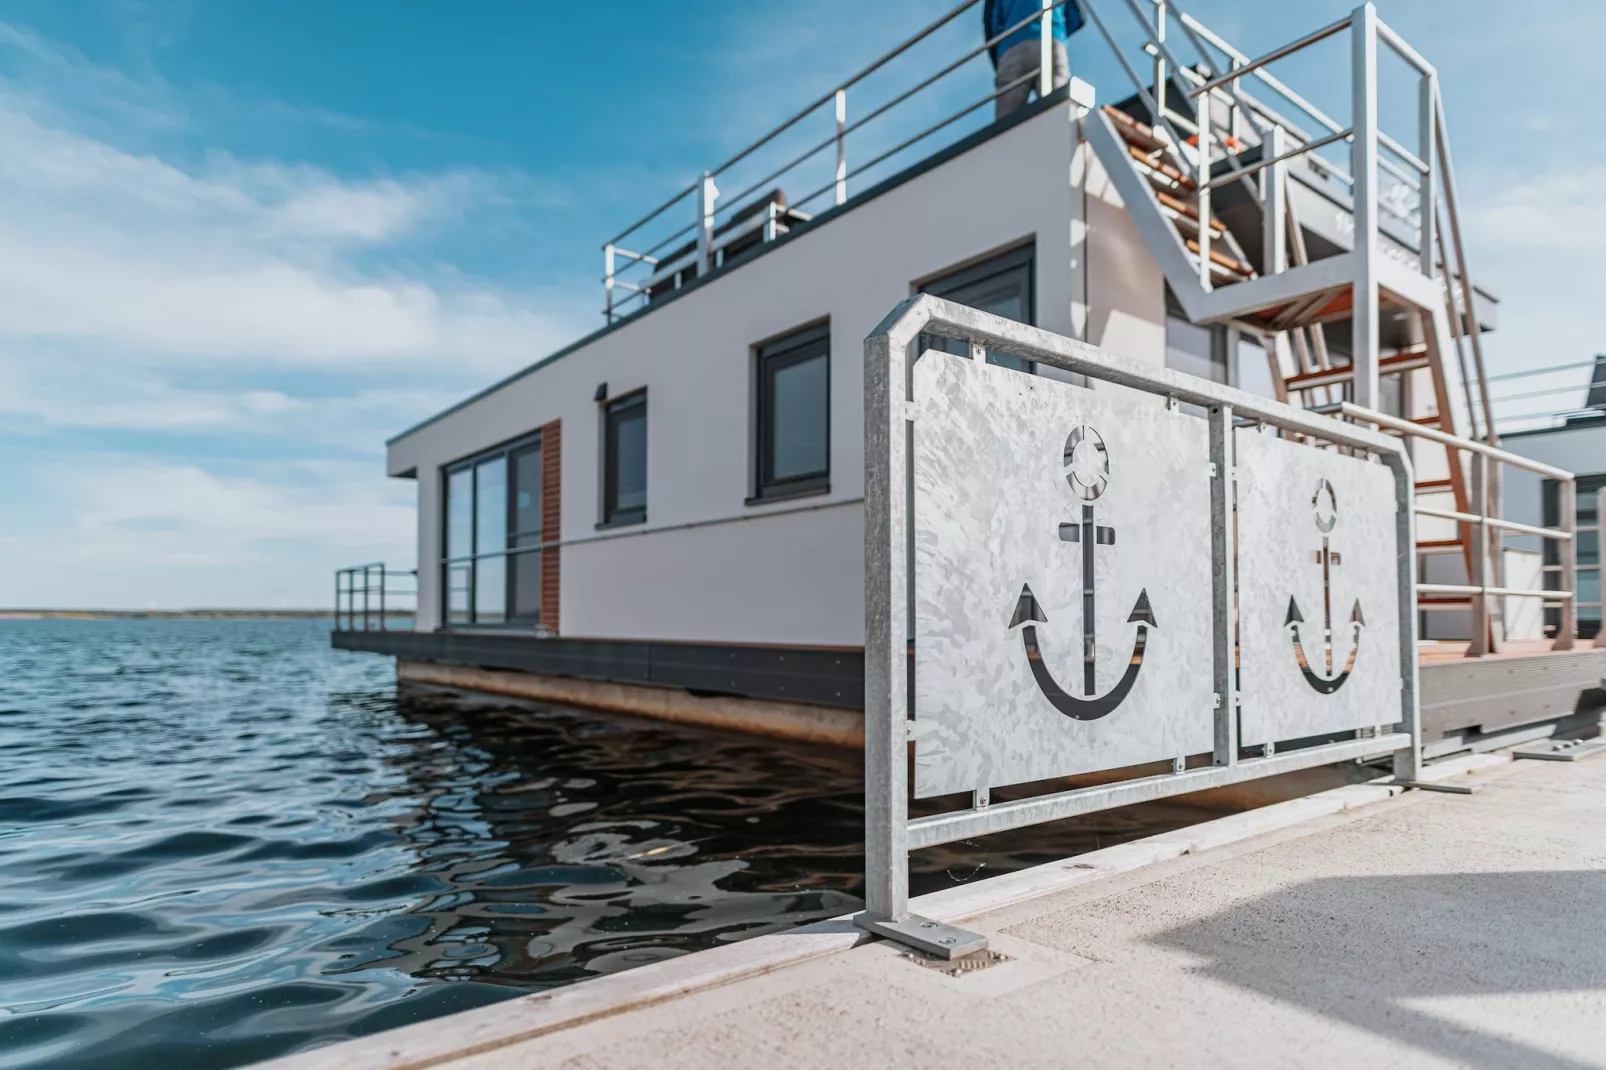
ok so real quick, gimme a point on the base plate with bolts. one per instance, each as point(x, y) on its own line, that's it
point(957, 967)
point(935, 938)
point(1562, 750)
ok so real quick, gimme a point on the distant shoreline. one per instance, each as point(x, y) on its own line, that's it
point(168, 614)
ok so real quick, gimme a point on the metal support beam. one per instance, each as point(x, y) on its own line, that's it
point(1045, 53)
point(1363, 165)
point(1479, 557)
point(707, 194)
point(841, 146)
point(1567, 630)
point(1223, 587)
point(1274, 207)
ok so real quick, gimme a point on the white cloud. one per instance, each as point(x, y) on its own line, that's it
point(261, 310)
point(1552, 209)
point(118, 532)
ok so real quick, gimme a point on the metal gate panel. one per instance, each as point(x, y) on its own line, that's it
point(1027, 667)
point(1318, 625)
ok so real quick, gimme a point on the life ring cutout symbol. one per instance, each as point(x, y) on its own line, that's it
point(1325, 522)
point(1087, 463)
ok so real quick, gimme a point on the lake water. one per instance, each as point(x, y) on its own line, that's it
point(221, 841)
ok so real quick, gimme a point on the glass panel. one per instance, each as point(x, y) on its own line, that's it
point(490, 590)
point(490, 512)
point(628, 457)
point(526, 523)
point(1588, 546)
point(798, 418)
point(1002, 287)
point(459, 513)
point(526, 586)
point(457, 593)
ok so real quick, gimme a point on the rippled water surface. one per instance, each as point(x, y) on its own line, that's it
point(221, 841)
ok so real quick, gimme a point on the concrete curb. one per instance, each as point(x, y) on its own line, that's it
point(485, 1029)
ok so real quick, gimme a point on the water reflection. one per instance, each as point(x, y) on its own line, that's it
point(222, 841)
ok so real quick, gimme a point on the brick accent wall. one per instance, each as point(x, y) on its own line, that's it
point(551, 520)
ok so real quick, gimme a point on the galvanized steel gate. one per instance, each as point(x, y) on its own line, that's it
point(1089, 581)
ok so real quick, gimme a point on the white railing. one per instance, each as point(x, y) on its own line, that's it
point(665, 261)
point(1487, 531)
point(1240, 109)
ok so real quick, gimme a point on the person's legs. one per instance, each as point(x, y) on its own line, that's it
point(1014, 65)
point(1062, 66)
point(1021, 63)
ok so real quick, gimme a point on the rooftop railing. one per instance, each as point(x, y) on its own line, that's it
point(700, 226)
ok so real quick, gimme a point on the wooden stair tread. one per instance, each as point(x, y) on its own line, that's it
point(1182, 207)
point(1435, 545)
point(1221, 260)
point(1161, 167)
point(1395, 364)
point(1431, 485)
point(1134, 132)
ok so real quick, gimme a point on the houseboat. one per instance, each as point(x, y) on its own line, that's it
point(666, 517)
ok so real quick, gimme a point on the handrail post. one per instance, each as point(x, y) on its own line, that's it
point(1273, 207)
point(1428, 202)
point(1202, 110)
point(1478, 633)
point(382, 575)
point(1045, 51)
point(1159, 63)
point(337, 598)
point(1363, 165)
point(367, 583)
point(1600, 567)
point(841, 146)
point(1567, 625)
point(707, 193)
point(607, 282)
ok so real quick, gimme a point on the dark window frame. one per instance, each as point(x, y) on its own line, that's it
point(1021, 259)
point(469, 562)
point(612, 515)
point(811, 342)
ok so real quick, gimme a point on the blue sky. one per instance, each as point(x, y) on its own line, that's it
point(243, 243)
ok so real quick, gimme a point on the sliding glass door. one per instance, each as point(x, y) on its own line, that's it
point(492, 566)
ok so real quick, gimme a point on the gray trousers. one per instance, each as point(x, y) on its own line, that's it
point(1019, 61)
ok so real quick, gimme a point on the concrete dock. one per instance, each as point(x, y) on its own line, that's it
point(1357, 927)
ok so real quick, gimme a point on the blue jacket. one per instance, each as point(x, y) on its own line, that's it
point(999, 15)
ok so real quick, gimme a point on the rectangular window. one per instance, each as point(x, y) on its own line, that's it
point(491, 570)
point(794, 415)
point(624, 447)
point(1003, 286)
point(524, 536)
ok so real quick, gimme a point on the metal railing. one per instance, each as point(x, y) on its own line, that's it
point(1598, 604)
point(666, 261)
point(369, 597)
point(1539, 417)
point(1484, 531)
point(890, 426)
point(1240, 107)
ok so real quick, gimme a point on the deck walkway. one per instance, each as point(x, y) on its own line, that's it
point(1420, 930)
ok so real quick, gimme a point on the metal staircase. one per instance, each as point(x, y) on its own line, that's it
point(1222, 183)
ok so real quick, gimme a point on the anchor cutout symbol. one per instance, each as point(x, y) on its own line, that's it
point(1325, 506)
point(1088, 473)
